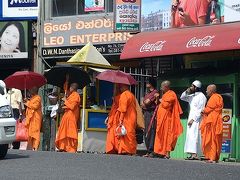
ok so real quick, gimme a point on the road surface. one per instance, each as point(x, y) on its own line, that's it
point(43, 165)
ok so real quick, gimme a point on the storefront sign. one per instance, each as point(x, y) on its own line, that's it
point(94, 5)
point(227, 130)
point(227, 116)
point(104, 49)
point(152, 46)
point(20, 9)
point(14, 40)
point(200, 42)
point(64, 37)
point(127, 15)
point(226, 146)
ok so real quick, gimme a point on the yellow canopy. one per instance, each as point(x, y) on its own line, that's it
point(89, 54)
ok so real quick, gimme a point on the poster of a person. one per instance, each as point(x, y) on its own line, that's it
point(12, 40)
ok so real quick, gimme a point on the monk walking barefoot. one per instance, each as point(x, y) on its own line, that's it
point(33, 118)
point(112, 123)
point(212, 126)
point(67, 135)
point(169, 126)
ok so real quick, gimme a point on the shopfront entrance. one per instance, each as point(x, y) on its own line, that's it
point(227, 86)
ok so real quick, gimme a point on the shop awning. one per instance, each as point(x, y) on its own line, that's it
point(183, 41)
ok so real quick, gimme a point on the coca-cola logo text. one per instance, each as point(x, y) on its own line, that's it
point(201, 42)
point(152, 46)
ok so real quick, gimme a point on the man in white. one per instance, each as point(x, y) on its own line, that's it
point(14, 96)
point(197, 101)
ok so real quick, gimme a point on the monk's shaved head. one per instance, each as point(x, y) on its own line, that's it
point(166, 83)
point(165, 86)
point(34, 90)
point(211, 89)
point(73, 87)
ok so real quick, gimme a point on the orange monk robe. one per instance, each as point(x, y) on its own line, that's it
point(212, 128)
point(169, 126)
point(34, 121)
point(127, 113)
point(112, 140)
point(67, 135)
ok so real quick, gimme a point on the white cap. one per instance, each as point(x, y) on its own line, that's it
point(197, 83)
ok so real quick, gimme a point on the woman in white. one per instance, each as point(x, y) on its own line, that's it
point(197, 101)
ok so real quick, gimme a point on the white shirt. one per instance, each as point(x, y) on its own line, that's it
point(197, 103)
point(14, 96)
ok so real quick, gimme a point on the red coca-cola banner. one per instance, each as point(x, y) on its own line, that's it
point(183, 41)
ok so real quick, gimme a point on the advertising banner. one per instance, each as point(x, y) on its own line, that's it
point(64, 37)
point(20, 9)
point(227, 123)
point(94, 5)
point(14, 40)
point(127, 15)
point(162, 14)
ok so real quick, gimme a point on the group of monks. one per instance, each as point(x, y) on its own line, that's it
point(67, 136)
point(168, 124)
point(122, 122)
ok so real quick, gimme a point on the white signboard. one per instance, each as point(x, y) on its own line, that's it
point(20, 8)
point(231, 10)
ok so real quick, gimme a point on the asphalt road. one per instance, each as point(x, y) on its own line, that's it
point(30, 165)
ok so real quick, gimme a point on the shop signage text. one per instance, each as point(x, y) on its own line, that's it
point(20, 9)
point(201, 42)
point(22, 3)
point(105, 49)
point(127, 15)
point(227, 130)
point(152, 46)
point(80, 32)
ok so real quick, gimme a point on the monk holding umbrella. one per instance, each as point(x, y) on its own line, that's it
point(32, 81)
point(124, 120)
point(62, 76)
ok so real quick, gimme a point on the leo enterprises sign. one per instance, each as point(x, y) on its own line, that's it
point(75, 32)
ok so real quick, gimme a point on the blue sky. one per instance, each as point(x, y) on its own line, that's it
point(149, 6)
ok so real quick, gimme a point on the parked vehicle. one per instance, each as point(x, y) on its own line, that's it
point(7, 126)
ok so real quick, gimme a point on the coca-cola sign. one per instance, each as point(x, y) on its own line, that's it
point(157, 46)
point(200, 42)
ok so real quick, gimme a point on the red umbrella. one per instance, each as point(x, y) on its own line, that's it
point(117, 77)
point(25, 80)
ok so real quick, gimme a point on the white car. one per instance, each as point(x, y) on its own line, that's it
point(7, 126)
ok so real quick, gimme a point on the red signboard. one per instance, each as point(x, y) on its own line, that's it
point(227, 131)
point(183, 41)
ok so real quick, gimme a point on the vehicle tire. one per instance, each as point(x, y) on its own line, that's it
point(3, 150)
point(16, 145)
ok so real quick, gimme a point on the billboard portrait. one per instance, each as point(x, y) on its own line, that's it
point(162, 14)
point(94, 5)
point(14, 40)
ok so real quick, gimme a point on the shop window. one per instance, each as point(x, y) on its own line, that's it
point(64, 7)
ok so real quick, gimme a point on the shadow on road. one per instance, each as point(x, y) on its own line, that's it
point(15, 156)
